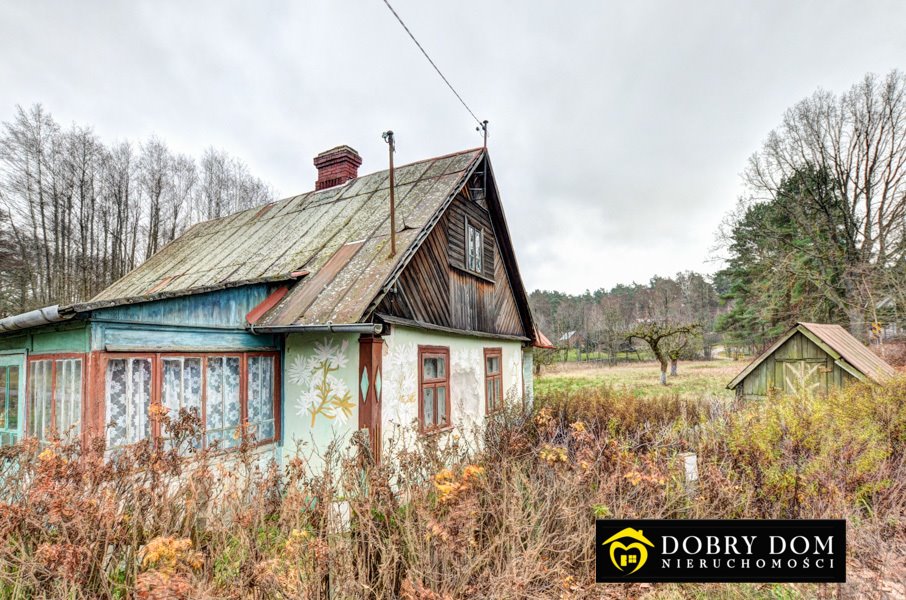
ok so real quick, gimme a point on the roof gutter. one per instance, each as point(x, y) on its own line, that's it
point(367, 328)
point(34, 318)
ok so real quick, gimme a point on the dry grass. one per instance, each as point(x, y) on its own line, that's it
point(514, 520)
point(695, 379)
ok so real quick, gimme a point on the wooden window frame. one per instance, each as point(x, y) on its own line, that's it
point(53, 358)
point(488, 377)
point(477, 227)
point(427, 352)
point(157, 382)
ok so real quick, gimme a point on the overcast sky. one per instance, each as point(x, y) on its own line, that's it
point(618, 129)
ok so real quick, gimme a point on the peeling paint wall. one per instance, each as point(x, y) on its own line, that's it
point(467, 382)
point(321, 398)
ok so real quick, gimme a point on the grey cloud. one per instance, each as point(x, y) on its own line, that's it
point(617, 129)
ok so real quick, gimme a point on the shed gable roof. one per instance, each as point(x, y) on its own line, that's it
point(848, 352)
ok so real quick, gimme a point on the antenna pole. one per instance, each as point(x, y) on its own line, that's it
point(391, 148)
point(483, 128)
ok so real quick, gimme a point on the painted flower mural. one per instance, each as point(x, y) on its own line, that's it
point(401, 369)
point(323, 393)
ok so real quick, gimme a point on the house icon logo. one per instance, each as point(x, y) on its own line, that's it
point(624, 556)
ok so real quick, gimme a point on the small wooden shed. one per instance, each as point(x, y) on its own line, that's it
point(810, 357)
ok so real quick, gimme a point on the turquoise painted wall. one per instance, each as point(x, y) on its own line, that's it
point(72, 336)
point(152, 338)
point(221, 308)
point(201, 322)
point(321, 398)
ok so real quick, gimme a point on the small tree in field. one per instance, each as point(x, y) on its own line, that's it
point(682, 345)
point(660, 338)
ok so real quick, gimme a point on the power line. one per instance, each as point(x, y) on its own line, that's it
point(483, 126)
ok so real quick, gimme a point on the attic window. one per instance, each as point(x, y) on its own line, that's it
point(474, 246)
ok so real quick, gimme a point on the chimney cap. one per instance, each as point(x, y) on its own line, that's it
point(339, 152)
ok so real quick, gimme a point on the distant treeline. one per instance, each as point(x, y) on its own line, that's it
point(76, 214)
point(600, 321)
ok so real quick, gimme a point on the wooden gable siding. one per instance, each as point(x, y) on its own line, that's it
point(798, 363)
point(460, 210)
point(435, 288)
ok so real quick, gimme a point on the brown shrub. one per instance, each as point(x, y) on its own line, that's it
point(437, 520)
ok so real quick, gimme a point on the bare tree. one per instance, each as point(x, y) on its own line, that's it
point(838, 166)
point(79, 214)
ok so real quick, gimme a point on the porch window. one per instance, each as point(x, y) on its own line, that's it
point(493, 380)
point(9, 405)
point(434, 384)
point(128, 400)
point(181, 389)
point(224, 390)
point(261, 397)
point(54, 397)
point(222, 399)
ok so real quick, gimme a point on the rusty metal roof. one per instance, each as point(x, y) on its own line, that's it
point(336, 240)
point(852, 350)
point(851, 354)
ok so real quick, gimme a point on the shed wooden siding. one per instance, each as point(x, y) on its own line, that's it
point(435, 288)
point(779, 370)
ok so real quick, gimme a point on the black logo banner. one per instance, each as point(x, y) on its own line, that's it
point(720, 551)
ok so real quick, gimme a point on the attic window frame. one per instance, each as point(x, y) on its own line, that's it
point(468, 241)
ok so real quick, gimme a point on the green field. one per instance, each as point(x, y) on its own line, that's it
point(695, 379)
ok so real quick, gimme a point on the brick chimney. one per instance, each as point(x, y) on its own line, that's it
point(337, 166)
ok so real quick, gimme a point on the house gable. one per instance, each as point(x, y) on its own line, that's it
point(438, 287)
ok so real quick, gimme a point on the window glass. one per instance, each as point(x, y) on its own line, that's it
point(435, 408)
point(474, 249)
point(12, 397)
point(223, 410)
point(493, 380)
point(68, 396)
point(434, 368)
point(9, 405)
point(128, 398)
point(261, 397)
point(182, 385)
point(4, 409)
point(39, 401)
point(441, 392)
point(493, 365)
point(429, 407)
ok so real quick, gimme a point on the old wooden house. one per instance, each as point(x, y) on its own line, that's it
point(294, 321)
point(812, 358)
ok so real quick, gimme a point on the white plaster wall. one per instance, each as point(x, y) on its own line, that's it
point(400, 395)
